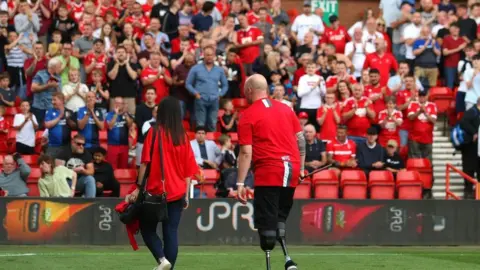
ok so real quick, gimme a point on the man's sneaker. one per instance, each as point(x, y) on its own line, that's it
point(290, 265)
point(166, 265)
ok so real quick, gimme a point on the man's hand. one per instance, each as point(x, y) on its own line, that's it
point(242, 194)
point(52, 84)
point(186, 203)
point(116, 110)
point(352, 163)
point(475, 137)
point(99, 185)
point(377, 165)
point(302, 174)
point(80, 169)
point(197, 96)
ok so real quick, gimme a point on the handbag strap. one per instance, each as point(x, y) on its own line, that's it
point(147, 169)
point(160, 144)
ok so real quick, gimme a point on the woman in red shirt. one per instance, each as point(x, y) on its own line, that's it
point(178, 167)
point(343, 91)
point(390, 121)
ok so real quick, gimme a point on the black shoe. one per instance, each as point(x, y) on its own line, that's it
point(290, 265)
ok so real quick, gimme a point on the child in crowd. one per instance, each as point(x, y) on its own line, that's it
point(75, 92)
point(279, 94)
point(230, 117)
point(104, 177)
point(55, 48)
point(276, 78)
point(101, 91)
point(234, 75)
point(7, 96)
point(229, 158)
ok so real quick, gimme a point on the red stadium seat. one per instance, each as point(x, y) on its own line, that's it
point(34, 190)
point(31, 160)
point(325, 185)
point(441, 96)
point(354, 184)
point(213, 136)
point(125, 175)
point(11, 111)
point(211, 175)
point(424, 168)
point(234, 137)
point(382, 185)
point(208, 189)
point(303, 191)
point(35, 174)
point(240, 103)
point(11, 140)
point(409, 186)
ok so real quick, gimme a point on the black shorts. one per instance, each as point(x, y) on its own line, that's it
point(272, 205)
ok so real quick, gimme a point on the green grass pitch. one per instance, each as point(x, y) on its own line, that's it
point(240, 258)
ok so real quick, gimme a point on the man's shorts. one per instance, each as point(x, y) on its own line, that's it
point(271, 205)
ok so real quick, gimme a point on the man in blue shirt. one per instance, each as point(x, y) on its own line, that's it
point(203, 83)
point(426, 51)
point(44, 83)
point(203, 21)
point(90, 121)
point(58, 122)
point(118, 123)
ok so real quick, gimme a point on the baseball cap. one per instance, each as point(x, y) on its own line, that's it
point(307, 3)
point(392, 143)
point(333, 18)
point(303, 115)
point(372, 131)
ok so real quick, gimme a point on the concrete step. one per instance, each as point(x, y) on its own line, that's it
point(441, 195)
point(441, 139)
point(444, 150)
point(441, 175)
point(442, 145)
point(442, 163)
point(453, 182)
point(447, 157)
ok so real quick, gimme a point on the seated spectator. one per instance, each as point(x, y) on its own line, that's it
point(315, 156)
point(119, 122)
point(328, 117)
point(341, 151)
point(7, 96)
point(104, 176)
point(390, 121)
point(357, 114)
point(303, 119)
point(56, 181)
point(370, 154)
point(80, 162)
point(228, 155)
point(75, 92)
point(392, 160)
point(234, 75)
point(230, 117)
point(13, 179)
point(207, 154)
point(90, 122)
point(25, 123)
point(58, 122)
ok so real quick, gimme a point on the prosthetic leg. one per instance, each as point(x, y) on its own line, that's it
point(267, 243)
point(289, 264)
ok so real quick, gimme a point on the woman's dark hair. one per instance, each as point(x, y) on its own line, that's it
point(169, 118)
point(47, 159)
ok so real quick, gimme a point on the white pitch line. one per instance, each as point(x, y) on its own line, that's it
point(17, 254)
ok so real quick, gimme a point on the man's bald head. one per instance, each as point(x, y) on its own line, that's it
point(256, 87)
point(310, 132)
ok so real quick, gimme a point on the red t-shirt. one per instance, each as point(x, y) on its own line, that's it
point(338, 37)
point(402, 98)
point(390, 130)
point(159, 84)
point(114, 10)
point(175, 45)
point(254, 18)
point(333, 80)
point(341, 152)
point(384, 64)
point(144, 22)
point(42, 64)
point(178, 164)
point(3, 125)
point(271, 128)
point(422, 129)
point(249, 53)
point(359, 123)
point(450, 43)
point(100, 65)
point(147, 9)
point(223, 8)
point(328, 130)
point(77, 11)
point(372, 91)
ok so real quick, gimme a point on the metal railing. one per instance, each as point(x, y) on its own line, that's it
point(449, 193)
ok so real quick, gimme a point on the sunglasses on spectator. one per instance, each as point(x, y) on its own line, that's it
point(381, 24)
point(80, 144)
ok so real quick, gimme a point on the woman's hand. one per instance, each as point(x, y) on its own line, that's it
point(186, 203)
point(132, 197)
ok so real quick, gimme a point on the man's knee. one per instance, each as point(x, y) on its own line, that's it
point(267, 239)
point(88, 180)
point(281, 230)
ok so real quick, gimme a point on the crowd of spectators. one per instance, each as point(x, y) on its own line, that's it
point(360, 91)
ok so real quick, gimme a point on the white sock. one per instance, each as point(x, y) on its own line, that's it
point(287, 258)
point(161, 260)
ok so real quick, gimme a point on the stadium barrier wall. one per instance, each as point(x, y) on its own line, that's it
point(227, 222)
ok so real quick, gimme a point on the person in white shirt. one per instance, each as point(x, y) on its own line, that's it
point(75, 92)
point(355, 51)
point(361, 24)
point(370, 34)
point(442, 22)
point(410, 34)
point(311, 90)
point(307, 22)
point(147, 125)
point(279, 94)
point(25, 123)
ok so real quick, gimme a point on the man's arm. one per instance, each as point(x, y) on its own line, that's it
point(190, 81)
point(112, 74)
point(302, 148)
point(244, 161)
point(111, 123)
point(24, 169)
point(131, 72)
point(89, 169)
point(54, 122)
point(224, 83)
point(83, 122)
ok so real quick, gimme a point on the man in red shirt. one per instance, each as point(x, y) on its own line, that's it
point(253, 15)
point(277, 147)
point(341, 151)
point(138, 20)
point(381, 60)
point(376, 91)
point(342, 75)
point(34, 64)
point(156, 75)
point(404, 98)
point(452, 48)
point(336, 35)
point(389, 120)
point(357, 114)
point(96, 60)
point(183, 34)
point(248, 40)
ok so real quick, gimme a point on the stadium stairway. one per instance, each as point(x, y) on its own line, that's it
point(443, 153)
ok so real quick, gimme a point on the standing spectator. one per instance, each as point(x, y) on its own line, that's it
point(119, 122)
point(410, 34)
point(367, 14)
point(264, 25)
point(122, 74)
point(16, 54)
point(470, 86)
point(57, 122)
point(143, 113)
point(25, 123)
point(202, 82)
point(44, 84)
point(328, 117)
point(207, 154)
point(157, 76)
point(370, 35)
point(452, 48)
point(467, 26)
point(90, 122)
point(311, 90)
point(279, 16)
point(382, 60)
point(341, 75)
point(398, 26)
point(428, 12)
point(404, 99)
point(336, 35)
point(355, 51)
point(104, 176)
point(370, 154)
point(426, 51)
point(34, 64)
point(180, 74)
point(389, 120)
point(392, 160)
point(27, 24)
point(13, 178)
point(56, 181)
point(382, 30)
point(75, 92)
point(315, 156)
point(341, 151)
point(172, 20)
point(357, 114)
point(64, 23)
point(375, 91)
point(247, 41)
point(96, 60)
point(81, 162)
point(307, 22)
point(203, 21)
point(68, 62)
point(390, 12)
point(138, 20)
point(397, 82)
point(84, 44)
point(7, 96)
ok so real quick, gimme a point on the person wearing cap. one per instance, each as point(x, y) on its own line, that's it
point(307, 22)
point(370, 154)
point(303, 118)
point(316, 155)
point(392, 160)
point(104, 176)
point(336, 34)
